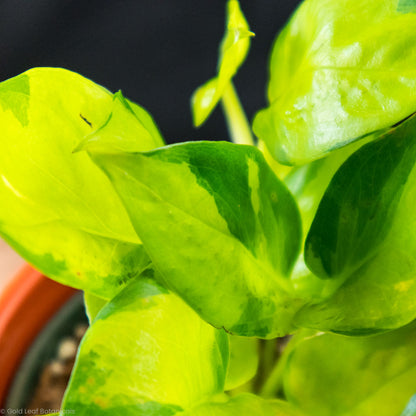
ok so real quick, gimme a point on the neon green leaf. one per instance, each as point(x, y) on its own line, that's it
point(233, 51)
point(244, 359)
point(341, 69)
point(58, 209)
point(174, 359)
point(93, 305)
point(14, 96)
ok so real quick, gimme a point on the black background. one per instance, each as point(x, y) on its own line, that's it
point(156, 51)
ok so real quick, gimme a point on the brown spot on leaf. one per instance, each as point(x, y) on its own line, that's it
point(88, 122)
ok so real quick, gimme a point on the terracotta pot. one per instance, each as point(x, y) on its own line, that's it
point(26, 305)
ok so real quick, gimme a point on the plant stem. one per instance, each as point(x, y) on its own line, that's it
point(269, 356)
point(268, 352)
point(238, 125)
point(274, 382)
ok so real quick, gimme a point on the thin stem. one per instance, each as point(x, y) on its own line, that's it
point(237, 122)
point(269, 356)
point(274, 382)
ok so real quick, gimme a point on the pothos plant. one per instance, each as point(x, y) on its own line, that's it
point(196, 258)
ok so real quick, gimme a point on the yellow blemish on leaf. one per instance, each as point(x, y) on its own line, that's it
point(403, 286)
point(101, 402)
point(273, 197)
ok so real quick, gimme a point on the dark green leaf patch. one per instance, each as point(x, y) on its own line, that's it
point(406, 6)
point(358, 209)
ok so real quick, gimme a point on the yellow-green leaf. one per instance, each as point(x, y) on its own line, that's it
point(341, 69)
point(58, 210)
point(233, 51)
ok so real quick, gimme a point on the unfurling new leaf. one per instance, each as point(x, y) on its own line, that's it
point(233, 51)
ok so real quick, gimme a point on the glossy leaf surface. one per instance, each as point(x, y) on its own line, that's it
point(308, 184)
point(334, 375)
point(245, 404)
point(340, 70)
point(222, 230)
point(363, 235)
point(58, 209)
point(361, 202)
point(233, 51)
point(147, 353)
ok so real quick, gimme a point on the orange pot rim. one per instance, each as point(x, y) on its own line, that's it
point(26, 304)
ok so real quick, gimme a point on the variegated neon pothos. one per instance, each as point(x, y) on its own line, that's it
point(196, 257)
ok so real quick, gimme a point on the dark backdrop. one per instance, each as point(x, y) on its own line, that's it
point(156, 51)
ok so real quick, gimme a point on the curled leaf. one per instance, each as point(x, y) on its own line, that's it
point(58, 209)
point(140, 135)
point(233, 51)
